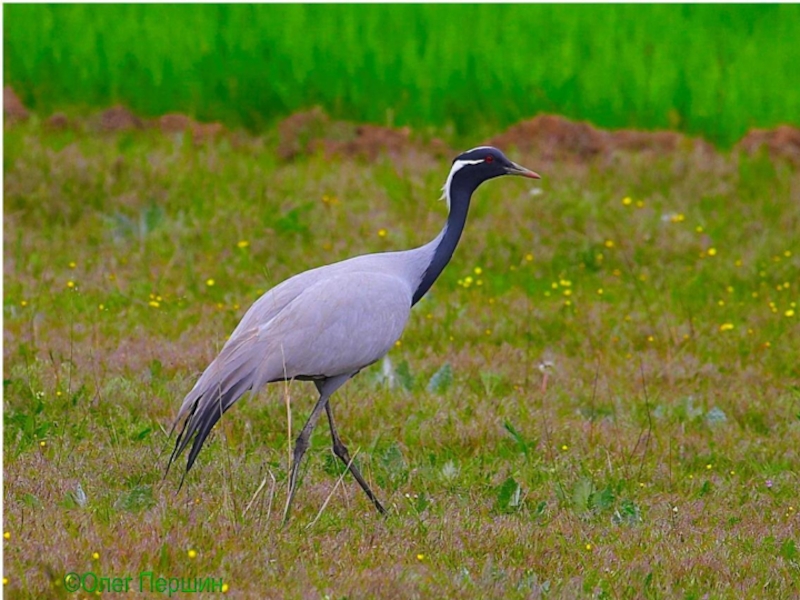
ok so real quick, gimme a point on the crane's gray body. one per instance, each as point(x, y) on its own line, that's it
point(304, 327)
point(328, 323)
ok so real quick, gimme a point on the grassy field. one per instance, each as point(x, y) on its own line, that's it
point(465, 69)
point(657, 459)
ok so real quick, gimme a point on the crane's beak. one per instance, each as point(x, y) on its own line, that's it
point(515, 169)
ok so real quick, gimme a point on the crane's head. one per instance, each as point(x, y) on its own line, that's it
point(473, 167)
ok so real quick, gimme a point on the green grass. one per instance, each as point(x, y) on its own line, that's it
point(658, 461)
point(463, 69)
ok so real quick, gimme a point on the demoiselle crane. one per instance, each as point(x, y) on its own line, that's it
point(326, 324)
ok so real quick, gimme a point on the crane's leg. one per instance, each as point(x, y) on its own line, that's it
point(326, 387)
point(340, 450)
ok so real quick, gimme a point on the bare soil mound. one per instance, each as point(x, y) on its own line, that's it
point(369, 141)
point(297, 132)
point(552, 137)
point(58, 122)
point(119, 118)
point(180, 123)
point(13, 109)
point(175, 123)
point(782, 142)
point(313, 131)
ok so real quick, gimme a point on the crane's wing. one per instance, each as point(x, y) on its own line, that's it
point(336, 326)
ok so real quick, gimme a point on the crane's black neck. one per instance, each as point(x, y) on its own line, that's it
point(459, 194)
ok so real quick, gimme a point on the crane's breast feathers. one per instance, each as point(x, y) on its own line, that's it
point(337, 325)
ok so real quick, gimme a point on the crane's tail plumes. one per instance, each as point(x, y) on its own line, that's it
point(225, 380)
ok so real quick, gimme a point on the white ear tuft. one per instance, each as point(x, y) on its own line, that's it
point(457, 166)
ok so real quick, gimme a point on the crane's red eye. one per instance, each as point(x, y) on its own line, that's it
point(489, 158)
